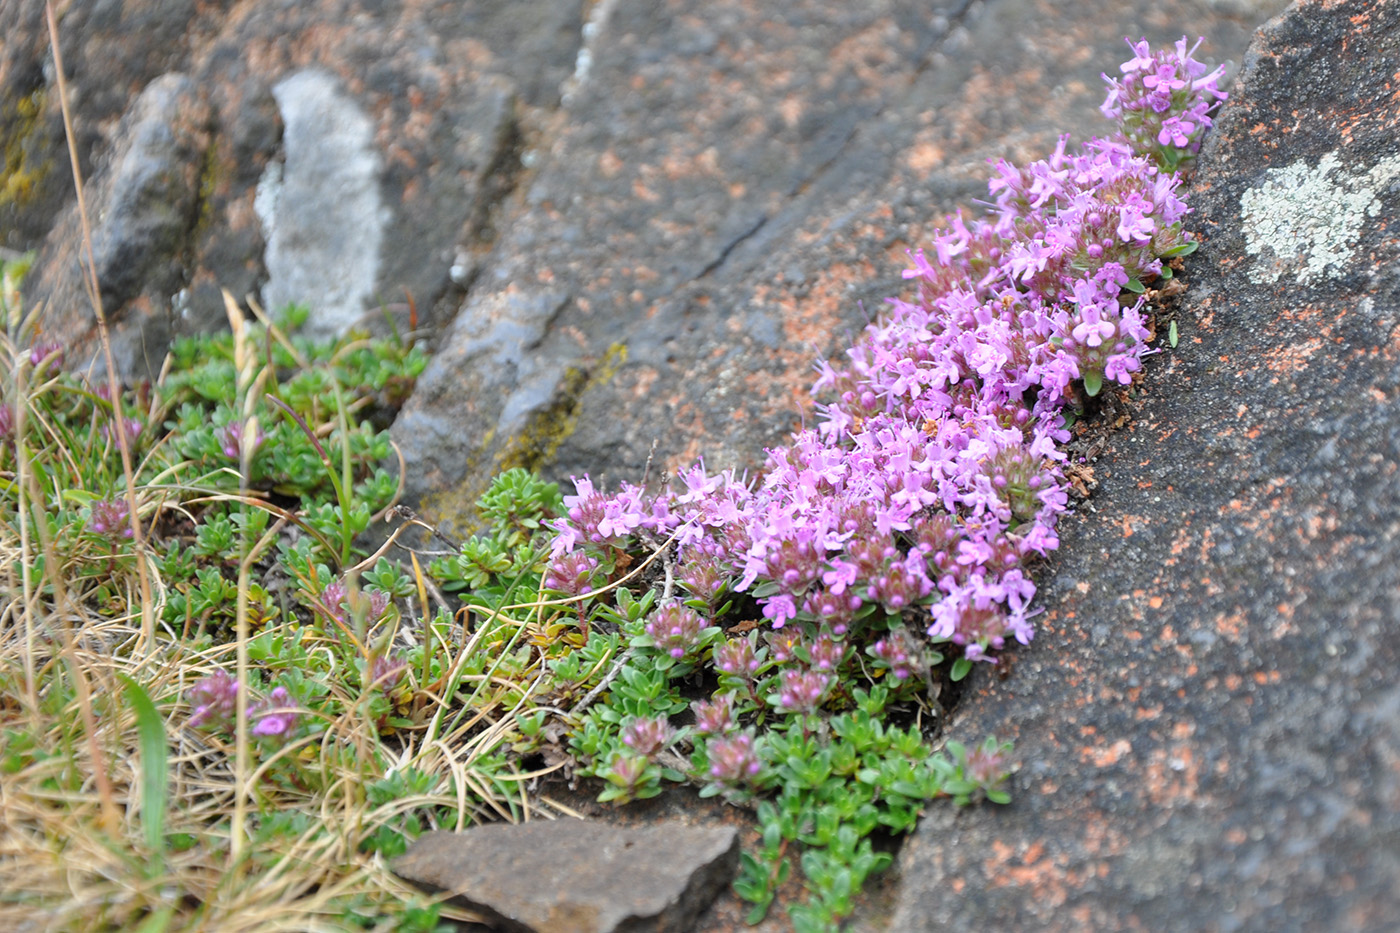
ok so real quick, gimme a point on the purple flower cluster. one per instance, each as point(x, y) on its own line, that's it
point(572, 574)
point(934, 478)
point(1164, 99)
point(336, 600)
point(110, 518)
point(50, 351)
point(386, 671)
point(648, 736)
point(230, 438)
point(734, 760)
point(676, 629)
point(215, 700)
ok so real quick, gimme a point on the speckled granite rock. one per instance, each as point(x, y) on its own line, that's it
point(576, 876)
point(1209, 721)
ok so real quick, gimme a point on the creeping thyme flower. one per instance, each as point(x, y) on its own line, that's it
point(110, 519)
point(133, 428)
point(214, 699)
point(676, 629)
point(783, 646)
point(714, 716)
point(626, 771)
point(826, 653)
point(835, 612)
point(47, 351)
point(933, 471)
point(986, 765)
point(648, 735)
point(1164, 98)
point(736, 658)
point(274, 716)
point(895, 653)
point(802, 691)
point(336, 598)
point(702, 572)
point(386, 671)
point(230, 438)
point(571, 574)
point(733, 760)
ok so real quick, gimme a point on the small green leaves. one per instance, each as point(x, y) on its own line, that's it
point(961, 668)
point(1093, 382)
point(1172, 334)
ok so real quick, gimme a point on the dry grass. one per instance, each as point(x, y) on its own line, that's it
point(115, 814)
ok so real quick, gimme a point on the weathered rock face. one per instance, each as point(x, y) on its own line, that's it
point(576, 876)
point(727, 193)
point(724, 192)
point(1210, 722)
point(341, 154)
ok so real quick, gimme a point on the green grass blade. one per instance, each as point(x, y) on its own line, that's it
point(150, 730)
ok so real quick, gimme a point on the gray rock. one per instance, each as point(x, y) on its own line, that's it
point(143, 205)
point(730, 193)
point(1226, 759)
point(575, 876)
point(443, 97)
point(320, 207)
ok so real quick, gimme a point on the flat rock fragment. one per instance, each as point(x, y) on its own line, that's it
point(576, 876)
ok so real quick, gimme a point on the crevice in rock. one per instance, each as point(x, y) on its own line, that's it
point(733, 244)
point(499, 180)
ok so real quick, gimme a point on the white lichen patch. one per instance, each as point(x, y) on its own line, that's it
point(321, 212)
point(1303, 221)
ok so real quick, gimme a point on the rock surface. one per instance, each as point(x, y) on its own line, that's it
point(577, 876)
point(431, 100)
point(729, 192)
point(1209, 721)
point(652, 215)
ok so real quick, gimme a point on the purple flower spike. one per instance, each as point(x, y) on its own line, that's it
point(648, 735)
point(676, 629)
point(273, 718)
point(736, 658)
point(110, 519)
point(386, 672)
point(802, 691)
point(733, 760)
point(230, 438)
point(47, 351)
point(716, 716)
point(571, 574)
point(214, 699)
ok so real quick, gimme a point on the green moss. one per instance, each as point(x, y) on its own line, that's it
point(19, 128)
point(533, 449)
point(208, 184)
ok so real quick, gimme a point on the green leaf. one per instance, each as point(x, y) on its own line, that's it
point(150, 730)
point(962, 666)
point(1171, 334)
point(1093, 383)
point(157, 922)
point(1136, 287)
